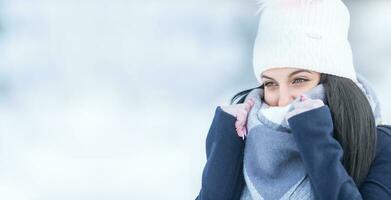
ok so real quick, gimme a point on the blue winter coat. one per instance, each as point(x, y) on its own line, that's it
point(222, 177)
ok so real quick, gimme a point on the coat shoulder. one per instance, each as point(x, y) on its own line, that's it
point(384, 137)
point(385, 130)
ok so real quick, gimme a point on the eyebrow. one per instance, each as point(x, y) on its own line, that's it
point(291, 74)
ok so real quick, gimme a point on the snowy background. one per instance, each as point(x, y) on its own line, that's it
point(112, 99)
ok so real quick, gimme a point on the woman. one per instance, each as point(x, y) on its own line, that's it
point(312, 129)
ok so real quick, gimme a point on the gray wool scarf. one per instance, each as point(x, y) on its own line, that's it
point(272, 166)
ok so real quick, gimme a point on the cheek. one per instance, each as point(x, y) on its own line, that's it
point(271, 98)
point(297, 91)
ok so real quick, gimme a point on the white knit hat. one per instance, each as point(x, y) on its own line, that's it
point(307, 34)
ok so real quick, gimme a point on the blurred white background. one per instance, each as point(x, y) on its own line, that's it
point(112, 99)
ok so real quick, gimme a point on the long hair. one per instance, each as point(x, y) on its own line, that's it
point(353, 120)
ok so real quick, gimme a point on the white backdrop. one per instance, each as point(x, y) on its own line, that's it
point(112, 99)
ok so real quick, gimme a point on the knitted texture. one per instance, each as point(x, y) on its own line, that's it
point(304, 34)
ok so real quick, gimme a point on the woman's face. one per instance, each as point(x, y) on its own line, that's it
point(283, 85)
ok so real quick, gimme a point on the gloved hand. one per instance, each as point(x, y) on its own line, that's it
point(305, 104)
point(240, 111)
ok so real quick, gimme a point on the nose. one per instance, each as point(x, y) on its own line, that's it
point(285, 98)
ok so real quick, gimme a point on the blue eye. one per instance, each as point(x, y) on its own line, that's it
point(269, 84)
point(300, 80)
